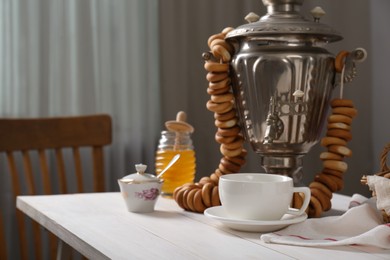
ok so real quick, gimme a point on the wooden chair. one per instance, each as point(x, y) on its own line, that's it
point(59, 145)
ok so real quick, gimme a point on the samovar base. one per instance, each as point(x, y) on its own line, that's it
point(288, 165)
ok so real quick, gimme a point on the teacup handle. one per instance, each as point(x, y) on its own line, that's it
point(306, 202)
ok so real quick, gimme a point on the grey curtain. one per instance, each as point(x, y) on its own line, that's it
point(70, 57)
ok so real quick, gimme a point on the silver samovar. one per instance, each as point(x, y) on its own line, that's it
point(282, 80)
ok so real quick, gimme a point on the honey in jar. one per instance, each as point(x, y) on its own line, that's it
point(176, 140)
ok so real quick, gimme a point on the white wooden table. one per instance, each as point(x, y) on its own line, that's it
point(99, 226)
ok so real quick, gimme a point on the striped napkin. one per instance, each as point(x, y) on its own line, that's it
point(361, 224)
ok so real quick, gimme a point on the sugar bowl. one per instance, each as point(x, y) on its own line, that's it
point(140, 190)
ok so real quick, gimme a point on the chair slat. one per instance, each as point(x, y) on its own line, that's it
point(29, 175)
point(3, 245)
point(61, 170)
point(44, 171)
point(98, 168)
point(28, 172)
point(22, 234)
point(53, 246)
point(14, 174)
point(78, 169)
point(53, 241)
point(36, 230)
point(19, 215)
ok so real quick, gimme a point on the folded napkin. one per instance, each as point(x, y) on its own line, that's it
point(359, 225)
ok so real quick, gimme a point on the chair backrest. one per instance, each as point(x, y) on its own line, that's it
point(52, 152)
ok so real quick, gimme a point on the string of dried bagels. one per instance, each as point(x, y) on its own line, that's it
point(198, 196)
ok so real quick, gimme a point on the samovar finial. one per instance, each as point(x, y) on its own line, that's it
point(275, 6)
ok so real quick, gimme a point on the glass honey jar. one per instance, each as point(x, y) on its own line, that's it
point(170, 144)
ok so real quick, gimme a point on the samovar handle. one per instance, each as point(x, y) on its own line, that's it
point(345, 65)
point(345, 57)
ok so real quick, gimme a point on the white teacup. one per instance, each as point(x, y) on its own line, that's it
point(258, 196)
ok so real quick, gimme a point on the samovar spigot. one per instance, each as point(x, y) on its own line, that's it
point(275, 126)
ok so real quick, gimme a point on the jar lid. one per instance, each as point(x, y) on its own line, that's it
point(283, 23)
point(140, 176)
point(180, 124)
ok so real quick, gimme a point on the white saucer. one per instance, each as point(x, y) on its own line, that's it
point(219, 213)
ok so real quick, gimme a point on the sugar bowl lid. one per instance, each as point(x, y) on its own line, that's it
point(140, 176)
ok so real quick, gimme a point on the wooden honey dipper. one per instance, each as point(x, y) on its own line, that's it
point(180, 124)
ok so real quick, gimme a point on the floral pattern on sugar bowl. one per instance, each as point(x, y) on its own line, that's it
point(150, 194)
point(140, 190)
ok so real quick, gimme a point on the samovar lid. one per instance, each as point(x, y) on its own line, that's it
point(284, 23)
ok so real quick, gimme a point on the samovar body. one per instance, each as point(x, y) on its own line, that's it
point(282, 79)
